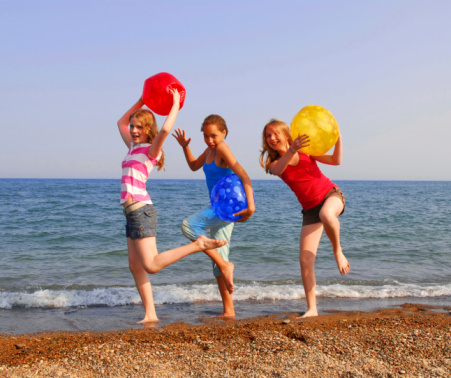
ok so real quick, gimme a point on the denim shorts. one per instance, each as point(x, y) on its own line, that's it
point(311, 216)
point(141, 223)
point(205, 222)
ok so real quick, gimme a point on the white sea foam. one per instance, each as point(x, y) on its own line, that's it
point(191, 293)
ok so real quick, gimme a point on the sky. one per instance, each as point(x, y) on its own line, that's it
point(70, 69)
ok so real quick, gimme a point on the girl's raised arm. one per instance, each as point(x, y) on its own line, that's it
point(193, 163)
point(124, 121)
point(278, 166)
point(335, 158)
point(165, 130)
point(226, 154)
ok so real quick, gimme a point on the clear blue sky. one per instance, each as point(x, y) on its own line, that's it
point(69, 70)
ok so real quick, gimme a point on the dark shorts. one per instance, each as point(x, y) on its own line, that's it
point(311, 216)
point(141, 222)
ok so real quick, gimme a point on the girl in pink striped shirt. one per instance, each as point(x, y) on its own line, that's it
point(139, 131)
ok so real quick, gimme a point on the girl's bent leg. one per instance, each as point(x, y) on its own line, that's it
point(142, 283)
point(221, 265)
point(310, 237)
point(329, 213)
point(205, 222)
point(153, 261)
point(226, 268)
point(226, 297)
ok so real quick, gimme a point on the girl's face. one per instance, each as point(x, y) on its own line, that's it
point(213, 136)
point(275, 139)
point(137, 133)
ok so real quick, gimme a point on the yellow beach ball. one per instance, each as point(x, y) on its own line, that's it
point(321, 127)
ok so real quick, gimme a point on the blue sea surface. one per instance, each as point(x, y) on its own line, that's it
point(63, 254)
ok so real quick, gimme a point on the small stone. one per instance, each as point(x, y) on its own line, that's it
point(285, 321)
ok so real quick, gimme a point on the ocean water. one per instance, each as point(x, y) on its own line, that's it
point(63, 255)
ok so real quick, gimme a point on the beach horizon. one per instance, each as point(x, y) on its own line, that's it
point(411, 340)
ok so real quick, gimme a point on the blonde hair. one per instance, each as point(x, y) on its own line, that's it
point(149, 124)
point(267, 154)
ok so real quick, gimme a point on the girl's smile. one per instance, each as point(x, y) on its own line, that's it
point(137, 133)
point(213, 136)
point(275, 140)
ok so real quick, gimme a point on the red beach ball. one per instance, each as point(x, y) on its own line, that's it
point(156, 93)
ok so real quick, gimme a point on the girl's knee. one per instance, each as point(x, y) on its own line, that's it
point(307, 258)
point(151, 269)
point(135, 267)
point(328, 217)
point(188, 230)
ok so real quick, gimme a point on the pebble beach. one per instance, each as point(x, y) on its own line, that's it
point(412, 341)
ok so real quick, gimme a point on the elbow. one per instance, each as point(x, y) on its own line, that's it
point(275, 172)
point(336, 160)
point(193, 167)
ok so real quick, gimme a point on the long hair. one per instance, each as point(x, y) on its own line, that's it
point(267, 154)
point(150, 128)
point(214, 119)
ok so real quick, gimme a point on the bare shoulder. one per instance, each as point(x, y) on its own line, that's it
point(224, 149)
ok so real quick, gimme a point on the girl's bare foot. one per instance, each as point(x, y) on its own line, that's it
point(205, 243)
point(227, 274)
point(309, 314)
point(342, 262)
point(225, 316)
point(149, 320)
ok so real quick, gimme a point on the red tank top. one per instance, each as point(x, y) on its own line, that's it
point(307, 181)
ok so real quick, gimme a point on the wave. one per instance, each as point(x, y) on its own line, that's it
point(202, 292)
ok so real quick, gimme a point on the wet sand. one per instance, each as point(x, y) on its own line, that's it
point(413, 340)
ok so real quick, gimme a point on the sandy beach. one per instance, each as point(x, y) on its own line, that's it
point(413, 340)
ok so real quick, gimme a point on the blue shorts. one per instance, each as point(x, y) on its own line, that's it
point(141, 222)
point(205, 222)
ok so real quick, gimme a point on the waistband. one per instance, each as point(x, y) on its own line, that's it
point(132, 207)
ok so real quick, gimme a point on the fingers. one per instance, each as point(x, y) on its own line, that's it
point(180, 136)
point(244, 215)
point(179, 133)
point(175, 95)
point(301, 141)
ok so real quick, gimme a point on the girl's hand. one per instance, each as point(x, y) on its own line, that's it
point(245, 215)
point(300, 142)
point(181, 137)
point(175, 96)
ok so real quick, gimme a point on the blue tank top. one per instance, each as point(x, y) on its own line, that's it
point(213, 173)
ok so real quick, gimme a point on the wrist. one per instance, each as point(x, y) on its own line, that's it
point(291, 150)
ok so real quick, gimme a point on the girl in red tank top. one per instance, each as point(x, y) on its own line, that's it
point(321, 200)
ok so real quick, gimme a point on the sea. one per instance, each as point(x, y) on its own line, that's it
point(63, 254)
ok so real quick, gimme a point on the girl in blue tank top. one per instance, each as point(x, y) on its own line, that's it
point(217, 161)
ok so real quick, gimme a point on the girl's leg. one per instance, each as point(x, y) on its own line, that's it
point(332, 208)
point(153, 262)
point(226, 297)
point(310, 237)
point(142, 283)
point(144, 258)
point(226, 268)
point(224, 232)
point(205, 222)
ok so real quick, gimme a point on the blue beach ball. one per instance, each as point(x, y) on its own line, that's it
point(228, 197)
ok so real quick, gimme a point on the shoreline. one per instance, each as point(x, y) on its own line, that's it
point(105, 318)
point(412, 340)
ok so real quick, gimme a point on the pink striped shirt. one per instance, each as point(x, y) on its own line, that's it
point(135, 171)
